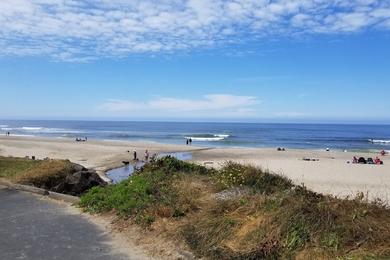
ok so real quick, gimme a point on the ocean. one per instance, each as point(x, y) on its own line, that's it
point(301, 136)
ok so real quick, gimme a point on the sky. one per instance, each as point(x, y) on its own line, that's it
point(196, 60)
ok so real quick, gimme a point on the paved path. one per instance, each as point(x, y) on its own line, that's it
point(39, 229)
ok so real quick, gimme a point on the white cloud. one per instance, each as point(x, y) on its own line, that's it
point(85, 29)
point(217, 105)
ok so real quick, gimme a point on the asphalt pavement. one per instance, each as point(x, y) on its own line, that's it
point(38, 229)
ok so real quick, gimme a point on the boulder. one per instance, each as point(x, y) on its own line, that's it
point(73, 180)
point(81, 181)
point(78, 168)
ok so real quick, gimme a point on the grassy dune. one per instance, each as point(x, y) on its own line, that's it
point(12, 167)
point(242, 212)
point(33, 171)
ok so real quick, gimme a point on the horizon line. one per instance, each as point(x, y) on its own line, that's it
point(221, 121)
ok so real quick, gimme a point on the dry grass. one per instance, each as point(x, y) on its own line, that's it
point(11, 167)
point(294, 224)
point(33, 171)
point(47, 171)
point(274, 220)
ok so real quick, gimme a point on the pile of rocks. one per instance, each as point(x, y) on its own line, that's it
point(75, 182)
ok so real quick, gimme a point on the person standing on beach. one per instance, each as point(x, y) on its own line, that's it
point(146, 156)
point(190, 141)
point(135, 155)
point(187, 142)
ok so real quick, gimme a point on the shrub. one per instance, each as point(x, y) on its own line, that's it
point(233, 175)
point(171, 164)
point(150, 193)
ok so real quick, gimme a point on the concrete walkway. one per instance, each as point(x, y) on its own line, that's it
point(32, 227)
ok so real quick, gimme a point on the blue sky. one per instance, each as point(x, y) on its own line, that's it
point(277, 61)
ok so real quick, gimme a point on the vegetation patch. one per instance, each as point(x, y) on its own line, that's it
point(11, 167)
point(25, 170)
point(54, 175)
point(234, 174)
point(151, 193)
point(276, 219)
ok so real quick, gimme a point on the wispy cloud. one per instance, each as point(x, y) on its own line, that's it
point(85, 29)
point(217, 105)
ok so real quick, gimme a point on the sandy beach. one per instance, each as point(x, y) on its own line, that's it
point(331, 174)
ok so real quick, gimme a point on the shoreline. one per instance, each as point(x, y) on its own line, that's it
point(330, 175)
point(199, 146)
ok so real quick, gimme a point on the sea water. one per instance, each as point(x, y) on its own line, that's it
point(306, 136)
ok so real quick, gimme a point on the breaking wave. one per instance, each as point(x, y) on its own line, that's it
point(38, 130)
point(376, 141)
point(33, 129)
point(208, 137)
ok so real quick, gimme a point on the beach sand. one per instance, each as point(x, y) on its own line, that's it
point(330, 175)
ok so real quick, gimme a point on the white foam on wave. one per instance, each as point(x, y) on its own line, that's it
point(1, 126)
point(30, 128)
point(222, 135)
point(212, 138)
point(207, 139)
point(48, 130)
point(379, 141)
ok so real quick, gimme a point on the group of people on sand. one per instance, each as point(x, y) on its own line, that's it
point(78, 139)
point(7, 133)
point(362, 160)
point(146, 155)
point(189, 141)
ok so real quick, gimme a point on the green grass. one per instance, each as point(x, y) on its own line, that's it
point(144, 196)
point(276, 219)
point(11, 167)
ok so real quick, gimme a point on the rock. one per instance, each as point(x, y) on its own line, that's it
point(74, 180)
point(232, 193)
point(59, 187)
point(78, 168)
point(81, 181)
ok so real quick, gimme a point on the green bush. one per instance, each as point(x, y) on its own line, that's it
point(234, 175)
point(126, 198)
point(171, 164)
point(147, 194)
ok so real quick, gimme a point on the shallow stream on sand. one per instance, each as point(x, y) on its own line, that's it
point(122, 173)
